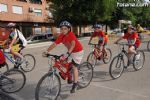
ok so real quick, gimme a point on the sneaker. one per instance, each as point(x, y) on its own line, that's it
point(137, 57)
point(74, 88)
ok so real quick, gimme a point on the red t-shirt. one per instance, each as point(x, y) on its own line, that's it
point(67, 39)
point(100, 34)
point(131, 37)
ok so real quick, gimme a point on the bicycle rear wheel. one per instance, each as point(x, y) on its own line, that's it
point(28, 63)
point(85, 74)
point(139, 63)
point(48, 87)
point(13, 81)
point(107, 57)
point(92, 59)
point(116, 67)
point(4, 68)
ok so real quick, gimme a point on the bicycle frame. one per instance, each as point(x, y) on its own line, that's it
point(96, 49)
point(123, 51)
point(60, 66)
point(9, 57)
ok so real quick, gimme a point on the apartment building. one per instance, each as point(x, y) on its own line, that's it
point(31, 16)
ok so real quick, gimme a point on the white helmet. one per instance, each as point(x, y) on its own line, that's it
point(65, 23)
point(11, 25)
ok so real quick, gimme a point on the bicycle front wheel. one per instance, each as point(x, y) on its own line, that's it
point(92, 59)
point(116, 67)
point(107, 56)
point(13, 81)
point(138, 63)
point(28, 63)
point(85, 74)
point(48, 88)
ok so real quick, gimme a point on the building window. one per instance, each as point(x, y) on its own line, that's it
point(38, 30)
point(3, 8)
point(48, 30)
point(38, 12)
point(17, 9)
point(36, 1)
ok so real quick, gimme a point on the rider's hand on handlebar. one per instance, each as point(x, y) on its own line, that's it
point(44, 54)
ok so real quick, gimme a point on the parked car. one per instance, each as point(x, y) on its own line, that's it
point(40, 38)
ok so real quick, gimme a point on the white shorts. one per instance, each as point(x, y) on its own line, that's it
point(76, 57)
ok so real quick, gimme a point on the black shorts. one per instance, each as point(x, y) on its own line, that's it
point(21, 48)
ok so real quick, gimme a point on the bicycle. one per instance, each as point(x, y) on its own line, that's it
point(52, 87)
point(12, 80)
point(28, 63)
point(93, 56)
point(117, 65)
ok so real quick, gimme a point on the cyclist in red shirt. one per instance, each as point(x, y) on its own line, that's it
point(133, 40)
point(75, 49)
point(102, 37)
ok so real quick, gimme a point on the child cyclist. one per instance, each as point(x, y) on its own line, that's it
point(102, 42)
point(16, 38)
point(75, 49)
point(133, 40)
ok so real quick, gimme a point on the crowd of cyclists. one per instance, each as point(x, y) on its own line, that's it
point(75, 49)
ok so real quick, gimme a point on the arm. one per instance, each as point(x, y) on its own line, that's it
point(51, 47)
point(90, 40)
point(5, 42)
point(13, 41)
point(72, 46)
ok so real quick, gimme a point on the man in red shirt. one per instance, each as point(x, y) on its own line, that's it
point(75, 49)
point(102, 38)
point(133, 40)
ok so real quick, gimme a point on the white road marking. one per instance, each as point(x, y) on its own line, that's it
point(119, 90)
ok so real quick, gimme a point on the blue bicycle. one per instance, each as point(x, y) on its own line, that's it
point(28, 63)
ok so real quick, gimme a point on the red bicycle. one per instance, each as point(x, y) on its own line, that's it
point(49, 86)
point(96, 55)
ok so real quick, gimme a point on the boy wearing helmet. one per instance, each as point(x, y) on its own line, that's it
point(102, 37)
point(133, 40)
point(75, 49)
point(16, 37)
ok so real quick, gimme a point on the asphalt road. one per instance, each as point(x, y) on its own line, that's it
point(132, 85)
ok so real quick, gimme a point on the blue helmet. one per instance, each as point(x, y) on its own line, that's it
point(65, 23)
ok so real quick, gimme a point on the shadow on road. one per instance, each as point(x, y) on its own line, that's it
point(4, 96)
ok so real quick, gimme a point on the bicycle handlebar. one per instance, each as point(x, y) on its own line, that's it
point(55, 56)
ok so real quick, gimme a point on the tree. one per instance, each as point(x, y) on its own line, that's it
point(83, 11)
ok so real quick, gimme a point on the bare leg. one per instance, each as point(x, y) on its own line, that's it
point(75, 72)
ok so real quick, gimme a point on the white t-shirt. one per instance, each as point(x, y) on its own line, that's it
point(20, 38)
